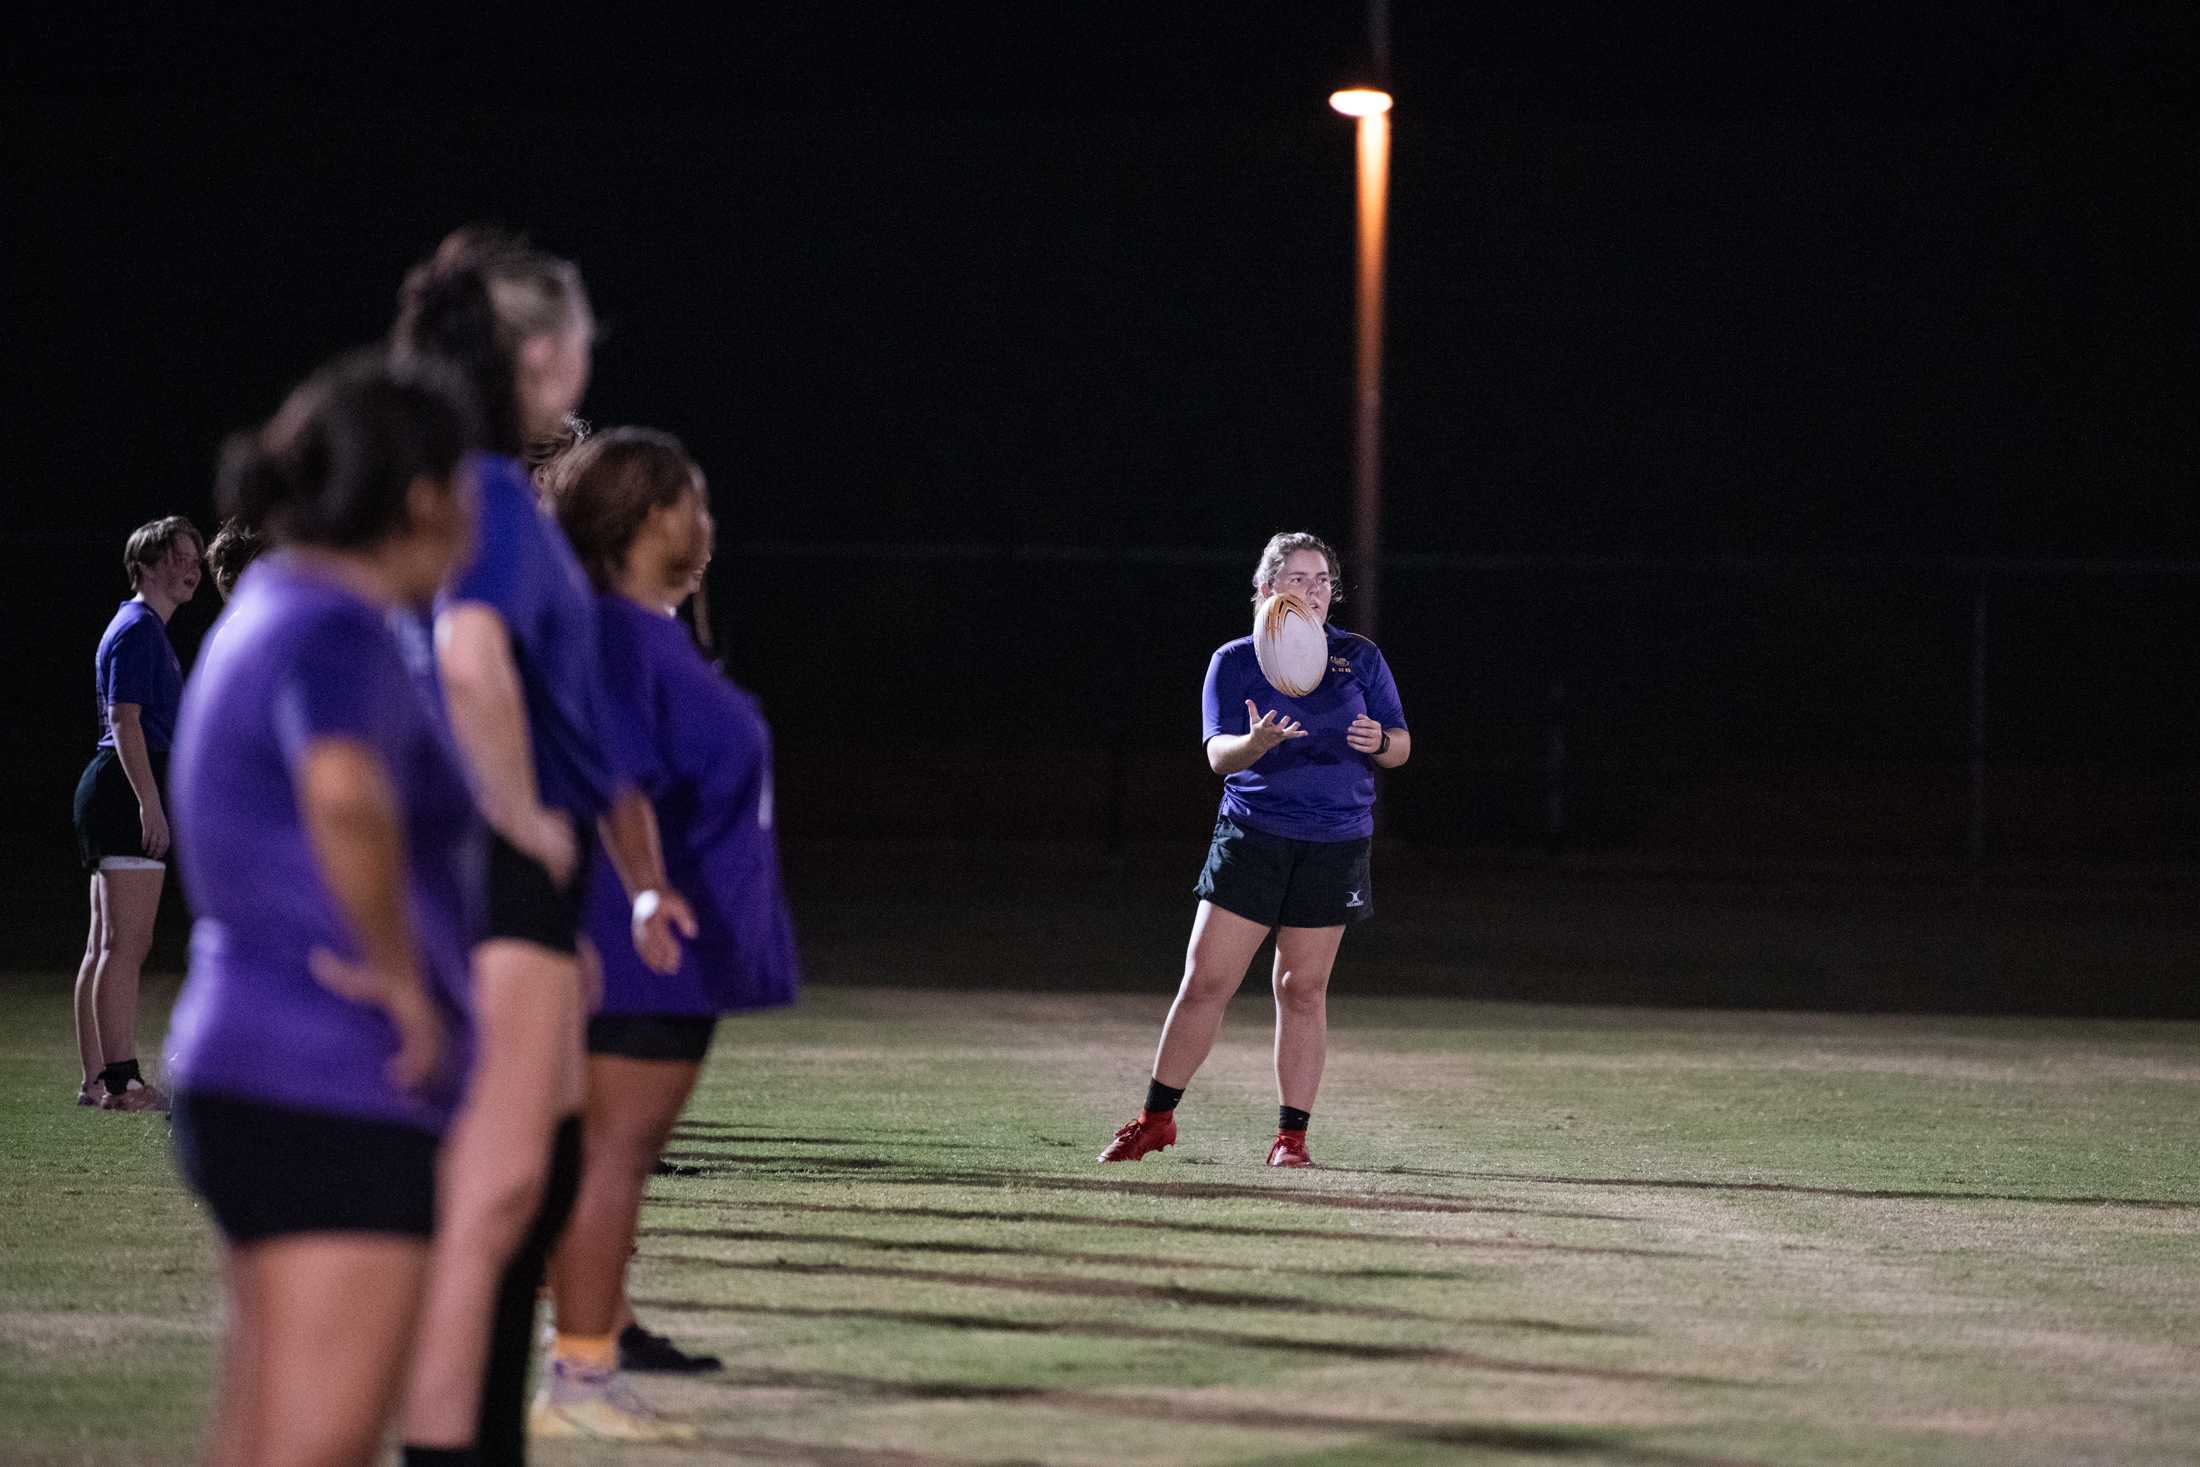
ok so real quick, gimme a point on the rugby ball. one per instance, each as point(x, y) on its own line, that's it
point(1290, 645)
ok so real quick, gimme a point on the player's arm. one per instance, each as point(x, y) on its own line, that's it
point(661, 915)
point(350, 813)
point(473, 657)
point(127, 720)
point(1228, 753)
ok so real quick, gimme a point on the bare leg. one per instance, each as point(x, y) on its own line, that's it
point(1304, 956)
point(1222, 947)
point(237, 1399)
point(130, 902)
point(332, 1319)
point(490, 1176)
point(87, 974)
point(632, 1105)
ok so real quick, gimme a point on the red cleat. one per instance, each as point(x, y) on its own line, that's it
point(1289, 1150)
point(1149, 1133)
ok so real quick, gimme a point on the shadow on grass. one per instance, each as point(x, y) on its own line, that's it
point(817, 1454)
point(1158, 1225)
point(691, 1132)
point(1068, 1288)
point(1004, 1250)
point(1464, 1435)
point(1293, 1344)
point(1864, 1194)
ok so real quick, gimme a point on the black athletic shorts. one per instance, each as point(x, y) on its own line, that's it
point(1280, 882)
point(684, 1037)
point(525, 905)
point(107, 808)
point(270, 1170)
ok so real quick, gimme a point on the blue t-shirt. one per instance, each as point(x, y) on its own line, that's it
point(1319, 787)
point(713, 795)
point(523, 569)
point(296, 658)
point(136, 663)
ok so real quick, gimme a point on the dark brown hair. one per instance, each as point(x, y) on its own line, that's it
point(605, 486)
point(235, 545)
point(334, 465)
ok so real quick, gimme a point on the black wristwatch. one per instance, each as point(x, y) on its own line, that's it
point(1383, 747)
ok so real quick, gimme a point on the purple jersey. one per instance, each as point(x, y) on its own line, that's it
point(523, 570)
point(136, 663)
point(297, 658)
point(714, 807)
point(1318, 787)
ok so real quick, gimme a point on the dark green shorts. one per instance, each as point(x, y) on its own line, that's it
point(1280, 882)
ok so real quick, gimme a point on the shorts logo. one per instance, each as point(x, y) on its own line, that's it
point(1354, 900)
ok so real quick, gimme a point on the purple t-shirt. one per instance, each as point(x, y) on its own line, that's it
point(136, 663)
point(523, 569)
point(1319, 787)
point(713, 795)
point(296, 658)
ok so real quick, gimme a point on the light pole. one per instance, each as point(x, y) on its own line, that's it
point(1370, 109)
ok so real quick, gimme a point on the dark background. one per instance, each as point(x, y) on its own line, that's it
point(1737, 363)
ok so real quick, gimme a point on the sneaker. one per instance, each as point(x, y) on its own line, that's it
point(90, 1093)
point(1145, 1135)
point(137, 1096)
point(579, 1404)
point(1289, 1150)
point(646, 1350)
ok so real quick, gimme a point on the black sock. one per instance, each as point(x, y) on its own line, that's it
point(1288, 1119)
point(440, 1456)
point(117, 1076)
point(1160, 1098)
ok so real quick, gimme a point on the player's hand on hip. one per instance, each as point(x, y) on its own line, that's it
point(550, 840)
point(1364, 734)
point(662, 918)
point(1271, 728)
point(400, 995)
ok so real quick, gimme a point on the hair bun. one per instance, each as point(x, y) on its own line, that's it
point(252, 486)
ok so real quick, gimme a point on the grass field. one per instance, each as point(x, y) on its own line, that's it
point(1538, 1234)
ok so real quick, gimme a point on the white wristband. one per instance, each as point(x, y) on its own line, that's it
point(646, 905)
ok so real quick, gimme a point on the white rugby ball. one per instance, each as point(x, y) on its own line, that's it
point(1290, 644)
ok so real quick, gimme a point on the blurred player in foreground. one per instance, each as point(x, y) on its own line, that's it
point(332, 854)
point(633, 505)
point(518, 657)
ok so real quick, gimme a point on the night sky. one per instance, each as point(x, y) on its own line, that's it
point(1868, 291)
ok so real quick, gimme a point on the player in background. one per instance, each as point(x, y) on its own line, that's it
point(633, 505)
point(121, 810)
point(235, 545)
point(1290, 850)
point(332, 854)
point(518, 661)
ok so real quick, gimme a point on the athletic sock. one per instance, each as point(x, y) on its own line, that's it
point(589, 1352)
point(117, 1076)
point(1160, 1098)
point(440, 1456)
point(1288, 1119)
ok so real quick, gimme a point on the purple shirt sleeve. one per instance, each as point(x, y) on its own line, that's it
point(1211, 710)
point(135, 662)
point(1382, 693)
point(348, 696)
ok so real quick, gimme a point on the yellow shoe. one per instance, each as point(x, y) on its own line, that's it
point(578, 1404)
